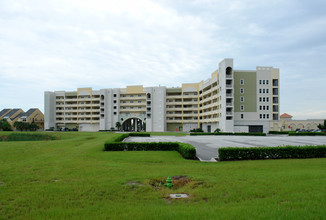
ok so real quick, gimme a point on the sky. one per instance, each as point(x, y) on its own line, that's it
point(53, 45)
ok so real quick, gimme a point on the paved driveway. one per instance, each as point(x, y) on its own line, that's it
point(207, 146)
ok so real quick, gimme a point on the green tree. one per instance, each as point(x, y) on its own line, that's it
point(320, 126)
point(33, 126)
point(19, 125)
point(118, 125)
point(4, 125)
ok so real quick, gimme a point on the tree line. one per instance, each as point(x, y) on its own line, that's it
point(19, 125)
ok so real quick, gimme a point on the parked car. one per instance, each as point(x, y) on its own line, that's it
point(64, 129)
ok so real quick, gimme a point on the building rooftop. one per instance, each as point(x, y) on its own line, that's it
point(12, 112)
point(4, 111)
point(285, 115)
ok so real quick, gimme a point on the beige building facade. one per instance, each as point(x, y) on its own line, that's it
point(231, 100)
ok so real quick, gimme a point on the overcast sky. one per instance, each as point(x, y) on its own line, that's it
point(56, 45)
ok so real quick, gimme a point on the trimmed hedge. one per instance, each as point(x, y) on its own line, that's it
point(115, 144)
point(228, 133)
point(27, 137)
point(187, 150)
point(307, 134)
point(257, 153)
point(279, 132)
point(140, 134)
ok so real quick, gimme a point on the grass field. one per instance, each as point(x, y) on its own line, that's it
point(73, 178)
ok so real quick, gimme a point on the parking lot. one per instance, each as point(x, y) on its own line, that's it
point(207, 146)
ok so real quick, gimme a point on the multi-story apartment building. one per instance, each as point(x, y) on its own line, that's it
point(231, 100)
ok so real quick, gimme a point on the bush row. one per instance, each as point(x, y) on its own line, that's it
point(228, 133)
point(279, 132)
point(307, 134)
point(26, 137)
point(256, 153)
point(140, 134)
point(115, 144)
point(187, 151)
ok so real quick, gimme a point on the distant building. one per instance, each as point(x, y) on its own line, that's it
point(231, 100)
point(33, 115)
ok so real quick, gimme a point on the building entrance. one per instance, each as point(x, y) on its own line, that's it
point(132, 124)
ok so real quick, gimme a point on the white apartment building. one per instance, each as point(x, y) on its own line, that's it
point(231, 100)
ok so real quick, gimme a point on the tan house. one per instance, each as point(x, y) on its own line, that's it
point(33, 115)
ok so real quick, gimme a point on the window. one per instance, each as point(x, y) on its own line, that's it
point(241, 115)
point(263, 90)
point(264, 107)
point(263, 99)
point(114, 95)
point(263, 115)
point(131, 101)
point(260, 99)
point(241, 107)
point(267, 90)
point(139, 107)
point(267, 107)
point(267, 115)
point(264, 82)
point(241, 90)
point(275, 82)
point(139, 95)
point(259, 81)
point(114, 113)
point(139, 101)
point(131, 107)
point(260, 116)
point(260, 107)
point(267, 99)
point(123, 107)
point(259, 90)
point(115, 101)
point(241, 99)
point(131, 95)
point(123, 101)
point(123, 95)
point(114, 107)
point(267, 82)
point(241, 81)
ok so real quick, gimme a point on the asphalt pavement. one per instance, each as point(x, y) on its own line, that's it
point(206, 146)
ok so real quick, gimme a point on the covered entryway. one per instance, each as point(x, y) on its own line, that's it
point(132, 124)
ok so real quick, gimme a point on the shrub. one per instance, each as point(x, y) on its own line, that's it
point(187, 150)
point(201, 133)
point(197, 130)
point(256, 153)
point(115, 144)
point(27, 137)
point(228, 133)
point(140, 134)
point(307, 134)
point(217, 130)
point(279, 132)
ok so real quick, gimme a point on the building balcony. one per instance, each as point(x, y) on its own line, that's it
point(174, 96)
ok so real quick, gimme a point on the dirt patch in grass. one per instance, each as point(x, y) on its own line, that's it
point(177, 181)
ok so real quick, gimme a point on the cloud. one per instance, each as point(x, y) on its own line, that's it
point(63, 45)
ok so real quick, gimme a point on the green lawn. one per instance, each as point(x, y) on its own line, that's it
point(73, 178)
